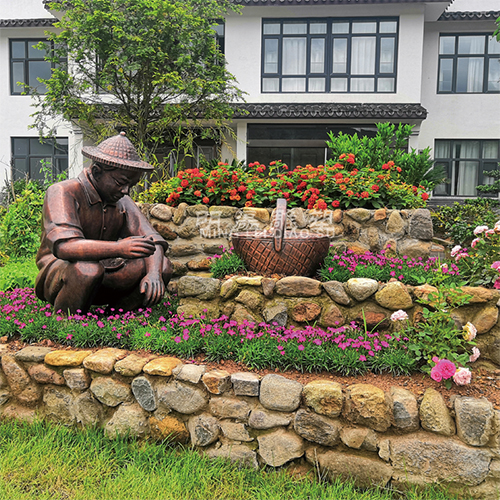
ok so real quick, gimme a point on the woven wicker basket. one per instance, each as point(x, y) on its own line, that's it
point(281, 252)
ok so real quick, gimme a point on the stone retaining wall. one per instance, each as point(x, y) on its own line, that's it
point(301, 301)
point(197, 232)
point(360, 431)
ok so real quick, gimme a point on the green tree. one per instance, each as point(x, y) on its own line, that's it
point(151, 67)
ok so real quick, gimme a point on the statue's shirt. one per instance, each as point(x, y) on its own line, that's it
point(73, 209)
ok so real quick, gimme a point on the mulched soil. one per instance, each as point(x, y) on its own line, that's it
point(484, 383)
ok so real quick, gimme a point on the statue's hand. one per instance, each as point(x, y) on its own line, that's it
point(153, 287)
point(136, 248)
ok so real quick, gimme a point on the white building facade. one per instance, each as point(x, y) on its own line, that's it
point(309, 67)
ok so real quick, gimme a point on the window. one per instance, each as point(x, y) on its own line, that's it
point(464, 162)
point(28, 153)
point(329, 55)
point(468, 64)
point(27, 64)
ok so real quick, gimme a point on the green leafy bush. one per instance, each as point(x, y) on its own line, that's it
point(459, 220)
point(226, 263)
point(18, 273)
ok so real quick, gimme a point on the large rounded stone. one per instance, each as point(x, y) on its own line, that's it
point(45, 375)
point(336, 291)
point(189, 373)
point(332, 317)
point(104, 360)
point(475, 420)
point(404, 410)
point(364, 471)
point(242, 314)
point(184, 398)
point(263, 419)
point(195, 286)
point(132, 365)
point(317, 428)
point(26, 391)
point(32, 354)
point(129, 420)
point(166, 232)
point(222, 407)
point(66, 358)
point(161, 366)
point(359, 437)
point(480, 295)
point(306, 311)
point(250, 299)
point(110, 392)
point(189, 229)
point(395, 224)
point(204, 430)
point(276, 313)
point(394, 296)
point(236, 453)
point(434, 415)
point(144, 393)
point(162, 212)
point(279, 447)
point(359, 214)
point(361, 288)
point(298, 286)
point(235, 431)
point(58, 403)
point(280, 393)
point(423, 458)
point(180, 214)
point(222, 212)
point(217, 381)
point(168, 428)
point(77, 378)
point(367, 405)
point(87, 410)
point(421, 225)
point(486, 319)
point(228, 289)
point(324, 397)
point(245, 384)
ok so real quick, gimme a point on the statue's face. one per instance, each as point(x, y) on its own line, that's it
point(112, 185)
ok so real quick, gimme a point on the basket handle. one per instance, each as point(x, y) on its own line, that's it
point(279, 223)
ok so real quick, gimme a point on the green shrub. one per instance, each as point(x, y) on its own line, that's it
point(18, 273)
point(458, 221)
point(226, 263)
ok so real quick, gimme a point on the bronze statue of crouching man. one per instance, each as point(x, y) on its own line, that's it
point(97, 247)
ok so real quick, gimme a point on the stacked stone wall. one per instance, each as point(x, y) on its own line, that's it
point(358, 431)
point(299, 301)
point(197, 232)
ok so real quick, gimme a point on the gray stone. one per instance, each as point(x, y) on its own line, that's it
point(198, 210)
point(361, 288)
point(195, 286)
point(245, 384)
point(365, 472)
point(217, 381)
point(77, 378)
point(58, 402)
point(475, 420)
point(404, 410)
point(336, 291)
point(280, 393)
point(144, 393)
point(359, 214)
point(268, 285)
point(297, 217)
point(276, 314)
point(162, 212)
point(242, 314)
point(132, 365)
point(235, 431)
point(45, 375)
point(104, 360)
point(182, 249)
point(426, 458)
point(359, 438)
point(222, 212)
point(217, 228)
point(203, 429)
point(228, 289)
point(279, 447)
point(189, 373)
point(421, 225)
point(222, 407)
point(32, 354)
point(4, 396)
point(263, 419)
point(324, 397)
point(166, 229)
point(317, 428)
point(129, 420)
point(183, 398)
point(21, 385)
point(189, 229)
point(298, 286)
point(236, 453)
point(434, 415)
point(3, 380)
point(395, 224)
point(109, 391)
point(394, 296)
point(87, 410)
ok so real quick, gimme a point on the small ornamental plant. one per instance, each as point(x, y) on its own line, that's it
point(341, 183)
point(478, 265)
point(226, 263)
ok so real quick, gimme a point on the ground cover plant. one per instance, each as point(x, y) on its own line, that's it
point(384, 266)
point(362, 173)
point(349, 350)
point(87, 465)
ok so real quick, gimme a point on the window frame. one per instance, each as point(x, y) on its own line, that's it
point(16, 175)
point(26, 60)
point(450, 164)
point(329, 37)
point(455, 56)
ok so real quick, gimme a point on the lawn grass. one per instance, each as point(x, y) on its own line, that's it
point(43, 461)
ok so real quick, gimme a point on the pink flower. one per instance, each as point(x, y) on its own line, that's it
point(185, 335)
point(147, 334)
point(462, 376)
point(480, 229)
point(300, 347)
point(362, 358)
point(118, 336)
point(177, 340)
point(495, 265)
point(399, 315)
point(69, 336)
point(455, 250)
point(496, 285)
point(444, 369)
point(475, 242)
point(470, 332)
point(475, 354)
